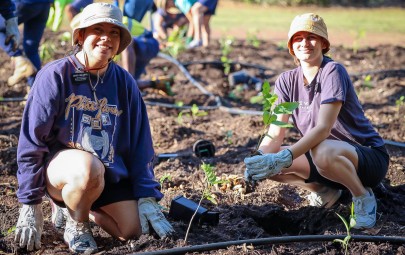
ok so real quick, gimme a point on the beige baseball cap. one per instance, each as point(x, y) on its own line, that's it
point(101, 13)
point(308, 22)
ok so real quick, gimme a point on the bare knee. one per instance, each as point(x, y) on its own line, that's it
point(322, 156)
point(128, 234)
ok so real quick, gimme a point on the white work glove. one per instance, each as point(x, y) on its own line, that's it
point(12, 33)
point(267, 165)
point(29, 227)
point(149, 211)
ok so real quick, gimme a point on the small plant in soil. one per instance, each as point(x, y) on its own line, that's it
point(226, 48)
point(251, 39)
point(47, 51)
point(348, 225)
point(195, 113)
point(210, 180)
point(270, 111)
point(400, 102)
point(176, 42)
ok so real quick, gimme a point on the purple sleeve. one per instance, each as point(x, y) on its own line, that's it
point(334, 84)
point(142, 152)
point(37, 122)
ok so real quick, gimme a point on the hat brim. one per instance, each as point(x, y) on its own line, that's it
point(125, 35)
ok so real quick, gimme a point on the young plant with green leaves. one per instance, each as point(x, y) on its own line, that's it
point(226, 48)
point(270, 110)
point(251, 39)
point(193, 112)
point(210, 180)
point(400, 102)
point(47, 51)
point(348, 225)
point(176, 42)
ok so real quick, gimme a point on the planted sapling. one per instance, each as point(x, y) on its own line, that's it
point(226, 48)
point(348, 225)
point(270, 111)
point(210, 180)
point(195, 112)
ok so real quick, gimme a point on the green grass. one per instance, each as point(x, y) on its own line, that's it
point(275, 21)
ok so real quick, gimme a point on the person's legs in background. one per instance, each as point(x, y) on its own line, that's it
point(133, 9)
point(205, 28)
point(34, 27)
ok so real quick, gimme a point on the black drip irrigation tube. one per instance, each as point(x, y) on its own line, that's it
point(275, 240)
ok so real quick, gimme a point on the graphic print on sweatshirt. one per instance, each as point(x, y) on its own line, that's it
point(92, 125)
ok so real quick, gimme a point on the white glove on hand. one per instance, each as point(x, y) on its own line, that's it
point(29, 227)
point(12, 33)
point(267, 165)
point(149, 211)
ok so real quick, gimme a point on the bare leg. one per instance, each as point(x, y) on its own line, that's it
point(197, 11)
point(206, 31)
point(77, 178)
point(120, 219)
point(338, 161)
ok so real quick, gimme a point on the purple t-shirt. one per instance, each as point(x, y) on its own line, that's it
point(62, 112)
point(331, 84)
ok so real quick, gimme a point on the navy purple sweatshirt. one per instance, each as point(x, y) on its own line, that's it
point(62, 112)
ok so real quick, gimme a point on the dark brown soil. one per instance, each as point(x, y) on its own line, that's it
point(273, 209)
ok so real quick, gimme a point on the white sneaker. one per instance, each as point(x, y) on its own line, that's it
point(59, 216)
point(23, 68)
point(365, 210)
point(78, 237)
point(194, 44)
point(325, 199)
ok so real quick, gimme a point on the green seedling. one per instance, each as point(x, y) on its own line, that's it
point(9, 231)
point(367, 82)
point(228, 136)
point(251, 39)
point(166, 177)
point(270, 110)
point(348, 225)
point(210, 180)
point(195, 112)
point(47, 51)
point(226, 48)
point(400, 102)
point(176, 42)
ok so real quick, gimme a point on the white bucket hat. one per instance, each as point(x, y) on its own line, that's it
point(101, 13)
point(308, 22)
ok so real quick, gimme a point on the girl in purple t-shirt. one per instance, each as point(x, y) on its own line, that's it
point(339, 148)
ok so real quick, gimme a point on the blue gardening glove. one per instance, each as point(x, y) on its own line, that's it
point(149, 212)
point(12, 33)
point(29, 227)
point(267, 165)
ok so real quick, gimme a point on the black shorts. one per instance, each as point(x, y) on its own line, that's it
point(112, 193)
point(373, 166)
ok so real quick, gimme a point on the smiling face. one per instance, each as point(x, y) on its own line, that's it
point(100, 42)
point(308, 47)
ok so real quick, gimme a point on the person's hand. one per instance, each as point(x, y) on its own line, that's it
point(267, 165)
point(12, 33)
point(29, 227)
point(149, 211)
